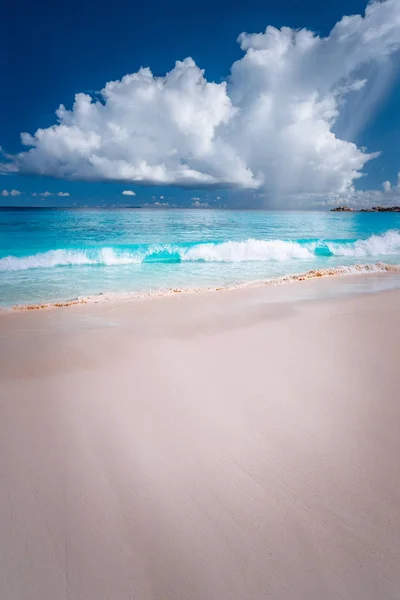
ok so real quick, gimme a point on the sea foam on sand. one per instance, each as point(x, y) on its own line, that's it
point(312, 274)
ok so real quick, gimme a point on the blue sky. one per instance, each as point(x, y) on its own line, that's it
point(51, 51)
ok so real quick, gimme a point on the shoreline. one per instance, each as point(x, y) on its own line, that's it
point(313, 274)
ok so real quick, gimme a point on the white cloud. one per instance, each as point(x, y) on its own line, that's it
point(10, 193)
point(128, 193)
point(386, 186)
point(8, 167)
point(161, 197)
point(157, 204)
point(390, 196)
point(269, 127)
point(46, 194)
point(368, 198)
point(63, 194)
point(197, 204)
point(389, 188)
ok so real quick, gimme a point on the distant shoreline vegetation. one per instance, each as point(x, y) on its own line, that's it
point(373, 209)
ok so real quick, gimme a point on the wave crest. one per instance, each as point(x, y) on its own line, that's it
point(230, 252)
point(250, 250)
point(376, 245)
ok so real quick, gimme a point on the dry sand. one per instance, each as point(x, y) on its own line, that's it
point(211, 447)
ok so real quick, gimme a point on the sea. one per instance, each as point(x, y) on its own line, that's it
point(60, 255)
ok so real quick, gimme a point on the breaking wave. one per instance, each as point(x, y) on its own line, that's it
point(376, 245)
point(228, 252)
point(250, 250)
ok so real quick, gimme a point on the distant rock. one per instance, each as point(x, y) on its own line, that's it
point(373, 209)
point(381, 209)
point(342, 209)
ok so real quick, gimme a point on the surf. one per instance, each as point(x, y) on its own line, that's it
point(249, 250)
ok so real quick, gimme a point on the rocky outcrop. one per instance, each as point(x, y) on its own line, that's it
point(342, 209)
point(373, 209)
point(381, 209)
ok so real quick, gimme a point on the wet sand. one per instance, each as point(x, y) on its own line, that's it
point(215, 446)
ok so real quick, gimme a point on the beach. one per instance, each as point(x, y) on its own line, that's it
point(215, 445)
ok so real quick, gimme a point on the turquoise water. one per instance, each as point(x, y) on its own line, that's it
point(50, 255)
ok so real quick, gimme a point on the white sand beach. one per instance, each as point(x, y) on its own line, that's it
point(212, 446)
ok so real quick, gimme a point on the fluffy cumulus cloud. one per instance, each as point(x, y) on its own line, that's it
point(10, 193)
point(128, 193)
point(387, 186)
point(389, 195)
point(269, 127)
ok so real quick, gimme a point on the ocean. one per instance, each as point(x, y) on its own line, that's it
point(52, 255)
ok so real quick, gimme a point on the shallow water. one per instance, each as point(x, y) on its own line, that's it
point(51, 255)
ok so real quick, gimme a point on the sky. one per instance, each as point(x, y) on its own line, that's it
point(279, 105)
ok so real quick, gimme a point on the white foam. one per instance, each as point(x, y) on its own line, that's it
point(376, 245)
point(108, 257)
point(52, 258)
point(229, 252)
point(344, 270)
point(250, 250)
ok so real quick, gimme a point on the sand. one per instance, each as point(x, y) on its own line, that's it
point(209, 447)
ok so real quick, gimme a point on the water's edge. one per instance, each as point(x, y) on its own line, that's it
point(340, 271)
